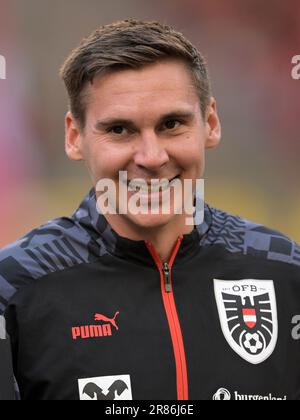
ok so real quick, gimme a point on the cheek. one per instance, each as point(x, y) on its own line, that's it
point(190, 153)
point(105, 161)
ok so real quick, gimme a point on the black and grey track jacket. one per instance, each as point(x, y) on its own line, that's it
point(92, 315)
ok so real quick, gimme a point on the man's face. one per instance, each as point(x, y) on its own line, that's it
point(147, 122)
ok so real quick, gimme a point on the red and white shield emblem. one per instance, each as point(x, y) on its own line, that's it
point(248, 316)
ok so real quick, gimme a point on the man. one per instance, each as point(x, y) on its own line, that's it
point(143, 305)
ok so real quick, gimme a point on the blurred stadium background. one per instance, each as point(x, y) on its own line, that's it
point(248, 44)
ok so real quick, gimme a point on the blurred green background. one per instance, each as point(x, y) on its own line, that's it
point(248, 45)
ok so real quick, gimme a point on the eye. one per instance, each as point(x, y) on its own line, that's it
point(172, 124)
point(118, 129)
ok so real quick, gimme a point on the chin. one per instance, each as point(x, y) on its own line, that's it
point(151, 221)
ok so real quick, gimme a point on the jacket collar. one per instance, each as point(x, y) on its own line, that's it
point(100, 230)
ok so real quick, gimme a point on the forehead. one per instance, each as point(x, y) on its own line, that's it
point(155, 89)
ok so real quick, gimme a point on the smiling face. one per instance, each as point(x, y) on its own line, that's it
point(147, 122)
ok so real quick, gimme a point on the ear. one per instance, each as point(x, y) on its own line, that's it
point(73, 138)
point(213, 126)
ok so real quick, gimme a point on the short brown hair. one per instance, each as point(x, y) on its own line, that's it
point(129, 44)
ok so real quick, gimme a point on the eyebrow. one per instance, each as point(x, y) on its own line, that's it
point(111, 122)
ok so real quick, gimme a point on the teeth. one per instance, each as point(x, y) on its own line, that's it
point(155, 187)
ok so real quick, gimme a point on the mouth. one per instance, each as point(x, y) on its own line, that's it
point(151, 187)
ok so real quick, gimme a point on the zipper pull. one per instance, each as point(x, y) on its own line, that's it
point(166, 271)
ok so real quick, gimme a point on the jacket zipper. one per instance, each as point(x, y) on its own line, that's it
point(167, 282)
point(165, 270)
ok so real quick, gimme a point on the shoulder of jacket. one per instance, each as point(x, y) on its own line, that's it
point(57, 245)
point(240, 235)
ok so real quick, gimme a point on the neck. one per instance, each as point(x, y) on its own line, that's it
point(163, 238)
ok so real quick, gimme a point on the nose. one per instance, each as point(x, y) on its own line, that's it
point(151, 153)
